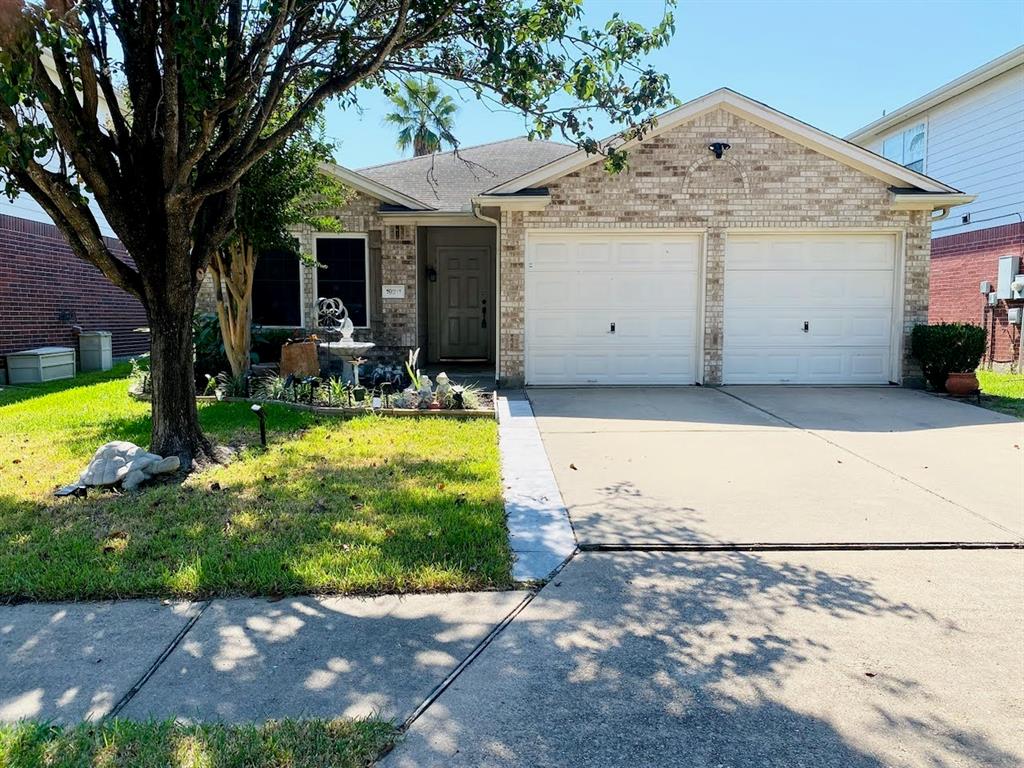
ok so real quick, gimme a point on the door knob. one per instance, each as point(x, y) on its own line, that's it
point(483, 313)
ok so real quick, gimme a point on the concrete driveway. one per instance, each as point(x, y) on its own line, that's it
point(752, 465)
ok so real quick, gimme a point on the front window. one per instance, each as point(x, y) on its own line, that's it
point(344, 274)
point(906, 148)
point(277, 290)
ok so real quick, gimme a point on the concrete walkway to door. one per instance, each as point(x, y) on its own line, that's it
point(754, 465)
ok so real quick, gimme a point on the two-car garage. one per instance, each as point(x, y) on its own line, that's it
point(627, 308)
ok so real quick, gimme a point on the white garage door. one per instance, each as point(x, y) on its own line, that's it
point(809, 309)
point(611, 308)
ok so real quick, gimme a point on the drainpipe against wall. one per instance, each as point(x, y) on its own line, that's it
point(497, 290)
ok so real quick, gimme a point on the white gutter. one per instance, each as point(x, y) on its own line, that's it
point(497, 289)
point(513, 202)
point(926, 202)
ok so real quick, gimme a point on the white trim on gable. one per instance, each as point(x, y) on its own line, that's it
point(373, 188)
point(754, 112)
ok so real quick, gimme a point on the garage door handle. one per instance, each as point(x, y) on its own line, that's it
point(611, 328)
point(807, 326)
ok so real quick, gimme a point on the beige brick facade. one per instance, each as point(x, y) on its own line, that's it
point(765, 181)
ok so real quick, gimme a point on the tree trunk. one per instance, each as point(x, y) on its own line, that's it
point(232, 273)
point(176, 430)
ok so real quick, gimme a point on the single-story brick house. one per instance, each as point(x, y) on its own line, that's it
point(740, 246)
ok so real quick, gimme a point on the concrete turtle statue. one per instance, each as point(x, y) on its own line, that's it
point(125, 463)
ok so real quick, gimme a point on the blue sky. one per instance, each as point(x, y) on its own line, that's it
point(835, 65)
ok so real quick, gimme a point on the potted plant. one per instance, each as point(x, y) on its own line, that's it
point(949, 354)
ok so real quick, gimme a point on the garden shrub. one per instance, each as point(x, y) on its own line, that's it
point(947, 348)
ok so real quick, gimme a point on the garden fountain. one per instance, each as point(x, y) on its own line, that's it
point(337, 328)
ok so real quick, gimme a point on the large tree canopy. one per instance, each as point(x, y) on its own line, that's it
point(191, 89)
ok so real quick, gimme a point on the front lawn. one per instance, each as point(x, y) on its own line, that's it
point(126, 744)
point(361, 506)
point(1002, 392)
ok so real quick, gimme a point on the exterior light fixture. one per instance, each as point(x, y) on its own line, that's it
point(719, 148)
point(258, 410)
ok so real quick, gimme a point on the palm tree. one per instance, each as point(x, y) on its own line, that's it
point(423, 116)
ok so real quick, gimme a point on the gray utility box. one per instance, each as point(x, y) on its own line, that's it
point(95, 350)
point(41, 364)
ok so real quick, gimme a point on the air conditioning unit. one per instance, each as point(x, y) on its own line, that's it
point(993, 299)
point(985, 288)
point(1013, 316)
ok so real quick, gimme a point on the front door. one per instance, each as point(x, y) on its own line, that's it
point(465, 308)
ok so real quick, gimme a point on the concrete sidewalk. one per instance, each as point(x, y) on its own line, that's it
point(238, 659)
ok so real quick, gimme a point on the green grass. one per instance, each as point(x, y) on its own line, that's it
point(1003, 392)
point(126, 744)
point(367, 505)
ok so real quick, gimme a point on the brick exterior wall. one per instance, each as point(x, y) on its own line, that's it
point(959, 264)
point(45, 289)
point(393, 322)
point(764, 181)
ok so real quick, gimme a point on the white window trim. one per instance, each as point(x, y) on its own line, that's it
point(302, 304)
point(365, 237)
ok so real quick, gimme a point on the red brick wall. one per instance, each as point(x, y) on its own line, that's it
point(45, 289)
point(959, 264)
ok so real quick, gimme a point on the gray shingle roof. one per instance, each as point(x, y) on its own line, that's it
point(448, 180)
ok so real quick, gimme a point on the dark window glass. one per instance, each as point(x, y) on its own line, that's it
point(343, 274)
point(276, 296)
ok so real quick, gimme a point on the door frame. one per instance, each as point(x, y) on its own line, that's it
point(700, 306)
point(435, 313)
point(899, 240)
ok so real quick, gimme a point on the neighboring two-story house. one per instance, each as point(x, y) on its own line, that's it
point(970, 134)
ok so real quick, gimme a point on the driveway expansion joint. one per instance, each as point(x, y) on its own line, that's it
point(141, 682)
point(855, 546)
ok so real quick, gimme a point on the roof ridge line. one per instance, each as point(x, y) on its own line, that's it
point(460, 149)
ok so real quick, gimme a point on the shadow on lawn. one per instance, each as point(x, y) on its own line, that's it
point(275, 523)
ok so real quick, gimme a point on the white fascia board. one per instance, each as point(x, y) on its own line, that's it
point(433, 219)
point(372, 188)
point(513, 202)
point(755, 112)
point(962, 84)
point(922, 202)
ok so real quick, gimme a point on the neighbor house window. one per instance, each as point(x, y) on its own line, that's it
point(906, 148)
point(277, 289)
point(343, 273)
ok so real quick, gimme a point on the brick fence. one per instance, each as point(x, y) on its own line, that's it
point(45, 290)
point(959, 264)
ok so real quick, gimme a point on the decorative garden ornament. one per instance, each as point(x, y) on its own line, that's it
point(126, 463)
point(443, 384)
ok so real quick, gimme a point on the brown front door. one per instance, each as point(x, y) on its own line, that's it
point(465, 308)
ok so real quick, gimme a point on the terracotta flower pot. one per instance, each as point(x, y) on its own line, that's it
point(962, 384)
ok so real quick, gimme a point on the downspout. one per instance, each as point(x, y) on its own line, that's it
point(943, 213)
point(497, 290)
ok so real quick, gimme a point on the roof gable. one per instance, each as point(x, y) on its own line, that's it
point(755, 112)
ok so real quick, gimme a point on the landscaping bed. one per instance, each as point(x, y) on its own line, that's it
point(127, 744)
point(368, 504)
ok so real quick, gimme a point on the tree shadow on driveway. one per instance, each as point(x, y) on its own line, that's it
point(742, 660)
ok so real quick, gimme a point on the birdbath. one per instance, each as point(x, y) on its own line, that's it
point(334, 321)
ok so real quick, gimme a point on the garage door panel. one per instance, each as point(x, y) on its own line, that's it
point(578, 285)
point(841, 286)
